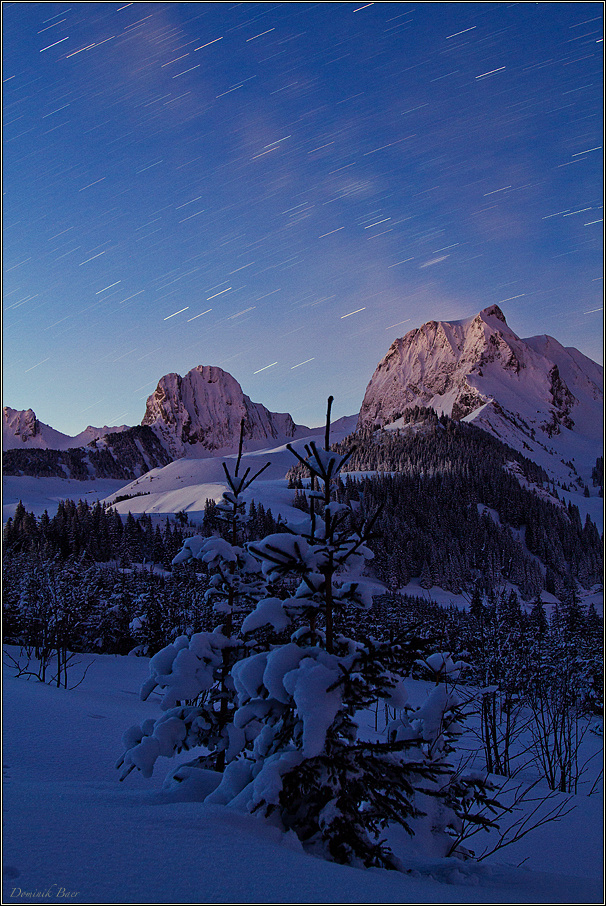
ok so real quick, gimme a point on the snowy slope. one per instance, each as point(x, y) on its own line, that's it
point(183, 485)
point(40, 494)
point(537, 396)
point(22, 430)
point(186, 484)
point(72, 829)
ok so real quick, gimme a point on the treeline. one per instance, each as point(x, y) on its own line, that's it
point(99, 534)
point(495, 627)
point(523, 670)
point(597, 475)
point(96, 532)
point(88, 579)
point(452, 507)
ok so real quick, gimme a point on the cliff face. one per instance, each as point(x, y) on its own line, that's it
point(202, 411)
point(195, 415)
point(19, 426)
point(457, 367)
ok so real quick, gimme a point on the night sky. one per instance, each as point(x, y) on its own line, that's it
point(282, 189)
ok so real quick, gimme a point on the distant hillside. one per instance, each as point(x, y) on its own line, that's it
point(126, 454)
point(456, 504)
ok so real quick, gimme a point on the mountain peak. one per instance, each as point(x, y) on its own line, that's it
point(202, 411)
point(525, 391)
point(493, 311)
point(19, 424)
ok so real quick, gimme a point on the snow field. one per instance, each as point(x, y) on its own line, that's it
point(71, 824)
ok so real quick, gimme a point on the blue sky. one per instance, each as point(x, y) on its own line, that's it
point(281, 189)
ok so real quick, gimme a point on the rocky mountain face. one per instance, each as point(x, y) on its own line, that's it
point(19, 426)
point(534, 394)
point(201, 413)
point(195, 415)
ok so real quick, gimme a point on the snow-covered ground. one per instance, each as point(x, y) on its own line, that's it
point(39, 494)
point(446, 598)
point(73, 830)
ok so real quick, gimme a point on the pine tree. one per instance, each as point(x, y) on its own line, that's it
point(426, 576)
point(538, 619)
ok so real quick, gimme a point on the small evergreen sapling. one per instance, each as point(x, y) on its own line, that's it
point(194, 674)
point(284, 722)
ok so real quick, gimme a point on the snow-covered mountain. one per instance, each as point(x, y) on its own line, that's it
point(534, 394)
point(22, 430)
point(201, 413)
point(196, 415)
point(539, 397)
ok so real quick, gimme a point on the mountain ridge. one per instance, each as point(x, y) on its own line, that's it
point(22, 429)
point(540, 397)
point(197, 414)
point(536, 395)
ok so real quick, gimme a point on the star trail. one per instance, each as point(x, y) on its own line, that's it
point(330, 175)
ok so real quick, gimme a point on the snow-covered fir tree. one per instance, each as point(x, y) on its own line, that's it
point(193, 674)
point(310, 769)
